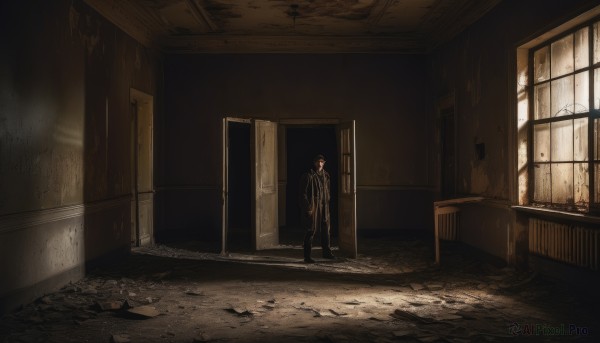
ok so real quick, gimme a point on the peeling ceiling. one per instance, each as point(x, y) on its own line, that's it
point(314, 26)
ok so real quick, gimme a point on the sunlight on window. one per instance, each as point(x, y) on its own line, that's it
point(563, 80)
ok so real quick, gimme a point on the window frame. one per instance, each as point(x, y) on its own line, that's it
point(592, 115)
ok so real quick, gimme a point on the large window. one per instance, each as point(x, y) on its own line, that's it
point(564, 116)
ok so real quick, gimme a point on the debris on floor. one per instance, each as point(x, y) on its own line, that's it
point(391, 293)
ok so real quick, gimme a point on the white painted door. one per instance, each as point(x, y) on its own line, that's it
point(347, 190)
point(264, 178)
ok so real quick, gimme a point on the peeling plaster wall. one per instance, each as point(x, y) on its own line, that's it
point(65, 138)
point(388, 95)
point(478, 67)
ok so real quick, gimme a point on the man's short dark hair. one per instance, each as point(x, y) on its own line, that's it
point(319, 157)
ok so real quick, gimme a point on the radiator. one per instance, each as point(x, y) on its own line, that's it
point(567, 243)
point(448, 223)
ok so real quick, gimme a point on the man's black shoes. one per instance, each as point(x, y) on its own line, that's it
point(308, 260)
point(328, 255)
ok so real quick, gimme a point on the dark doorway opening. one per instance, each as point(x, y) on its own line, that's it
point(448, 148)
point(239, 234)
point(302, 144)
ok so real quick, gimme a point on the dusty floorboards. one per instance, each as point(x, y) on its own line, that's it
point(391, 293)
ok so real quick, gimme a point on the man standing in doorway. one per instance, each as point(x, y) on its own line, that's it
point(314, 202)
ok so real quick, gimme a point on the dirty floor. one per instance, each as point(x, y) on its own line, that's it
point(391, 293)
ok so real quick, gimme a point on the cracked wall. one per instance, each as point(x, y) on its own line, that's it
point(65, 138)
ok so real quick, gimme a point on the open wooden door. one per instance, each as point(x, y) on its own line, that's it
point(264, 177)
point(347, 190)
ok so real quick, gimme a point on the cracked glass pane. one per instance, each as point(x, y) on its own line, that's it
point(542, 101)
point(582, 54)
point(541, 191)
point(562, 96)
point(581, 187)
point(562, 56)
point(596, 42)
point(582, 92)
point(562, 183)
point(561, 136)
point(541, 60)
point(541, 137)
point(580, 144)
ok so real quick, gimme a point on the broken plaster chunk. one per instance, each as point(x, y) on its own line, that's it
point(239, 311)
point(110, 305)
point(434, 287)
point(269, 306)
point(353, 302)
point(144, 311)
point(121, 338)
point(416, 286)
point(447, 316)
point(338, 313)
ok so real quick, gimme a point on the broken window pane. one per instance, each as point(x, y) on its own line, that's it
point(580, 143)
point(562, 96)
point(541, 60)
point(561, 136)
point(541, 191)
point(581, 187)
point(582, 92)
point(582, 55)
point(542, 101)
point(562, 183)
point(596, 42)
point(541, 137)
point(562, 56)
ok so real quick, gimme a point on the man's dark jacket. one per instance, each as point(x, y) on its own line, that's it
point(312, 192)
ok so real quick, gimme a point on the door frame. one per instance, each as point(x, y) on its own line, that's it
point(282, 124)
point(286, 123)
point(138, 97)
point(225, 178)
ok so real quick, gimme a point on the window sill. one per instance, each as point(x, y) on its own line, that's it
point(578, 217)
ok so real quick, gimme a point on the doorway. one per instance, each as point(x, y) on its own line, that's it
point(302, 144)
point(239, 183)
point(142, 166)
point(334, 138)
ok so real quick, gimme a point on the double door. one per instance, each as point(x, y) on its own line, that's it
point(264, 184)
